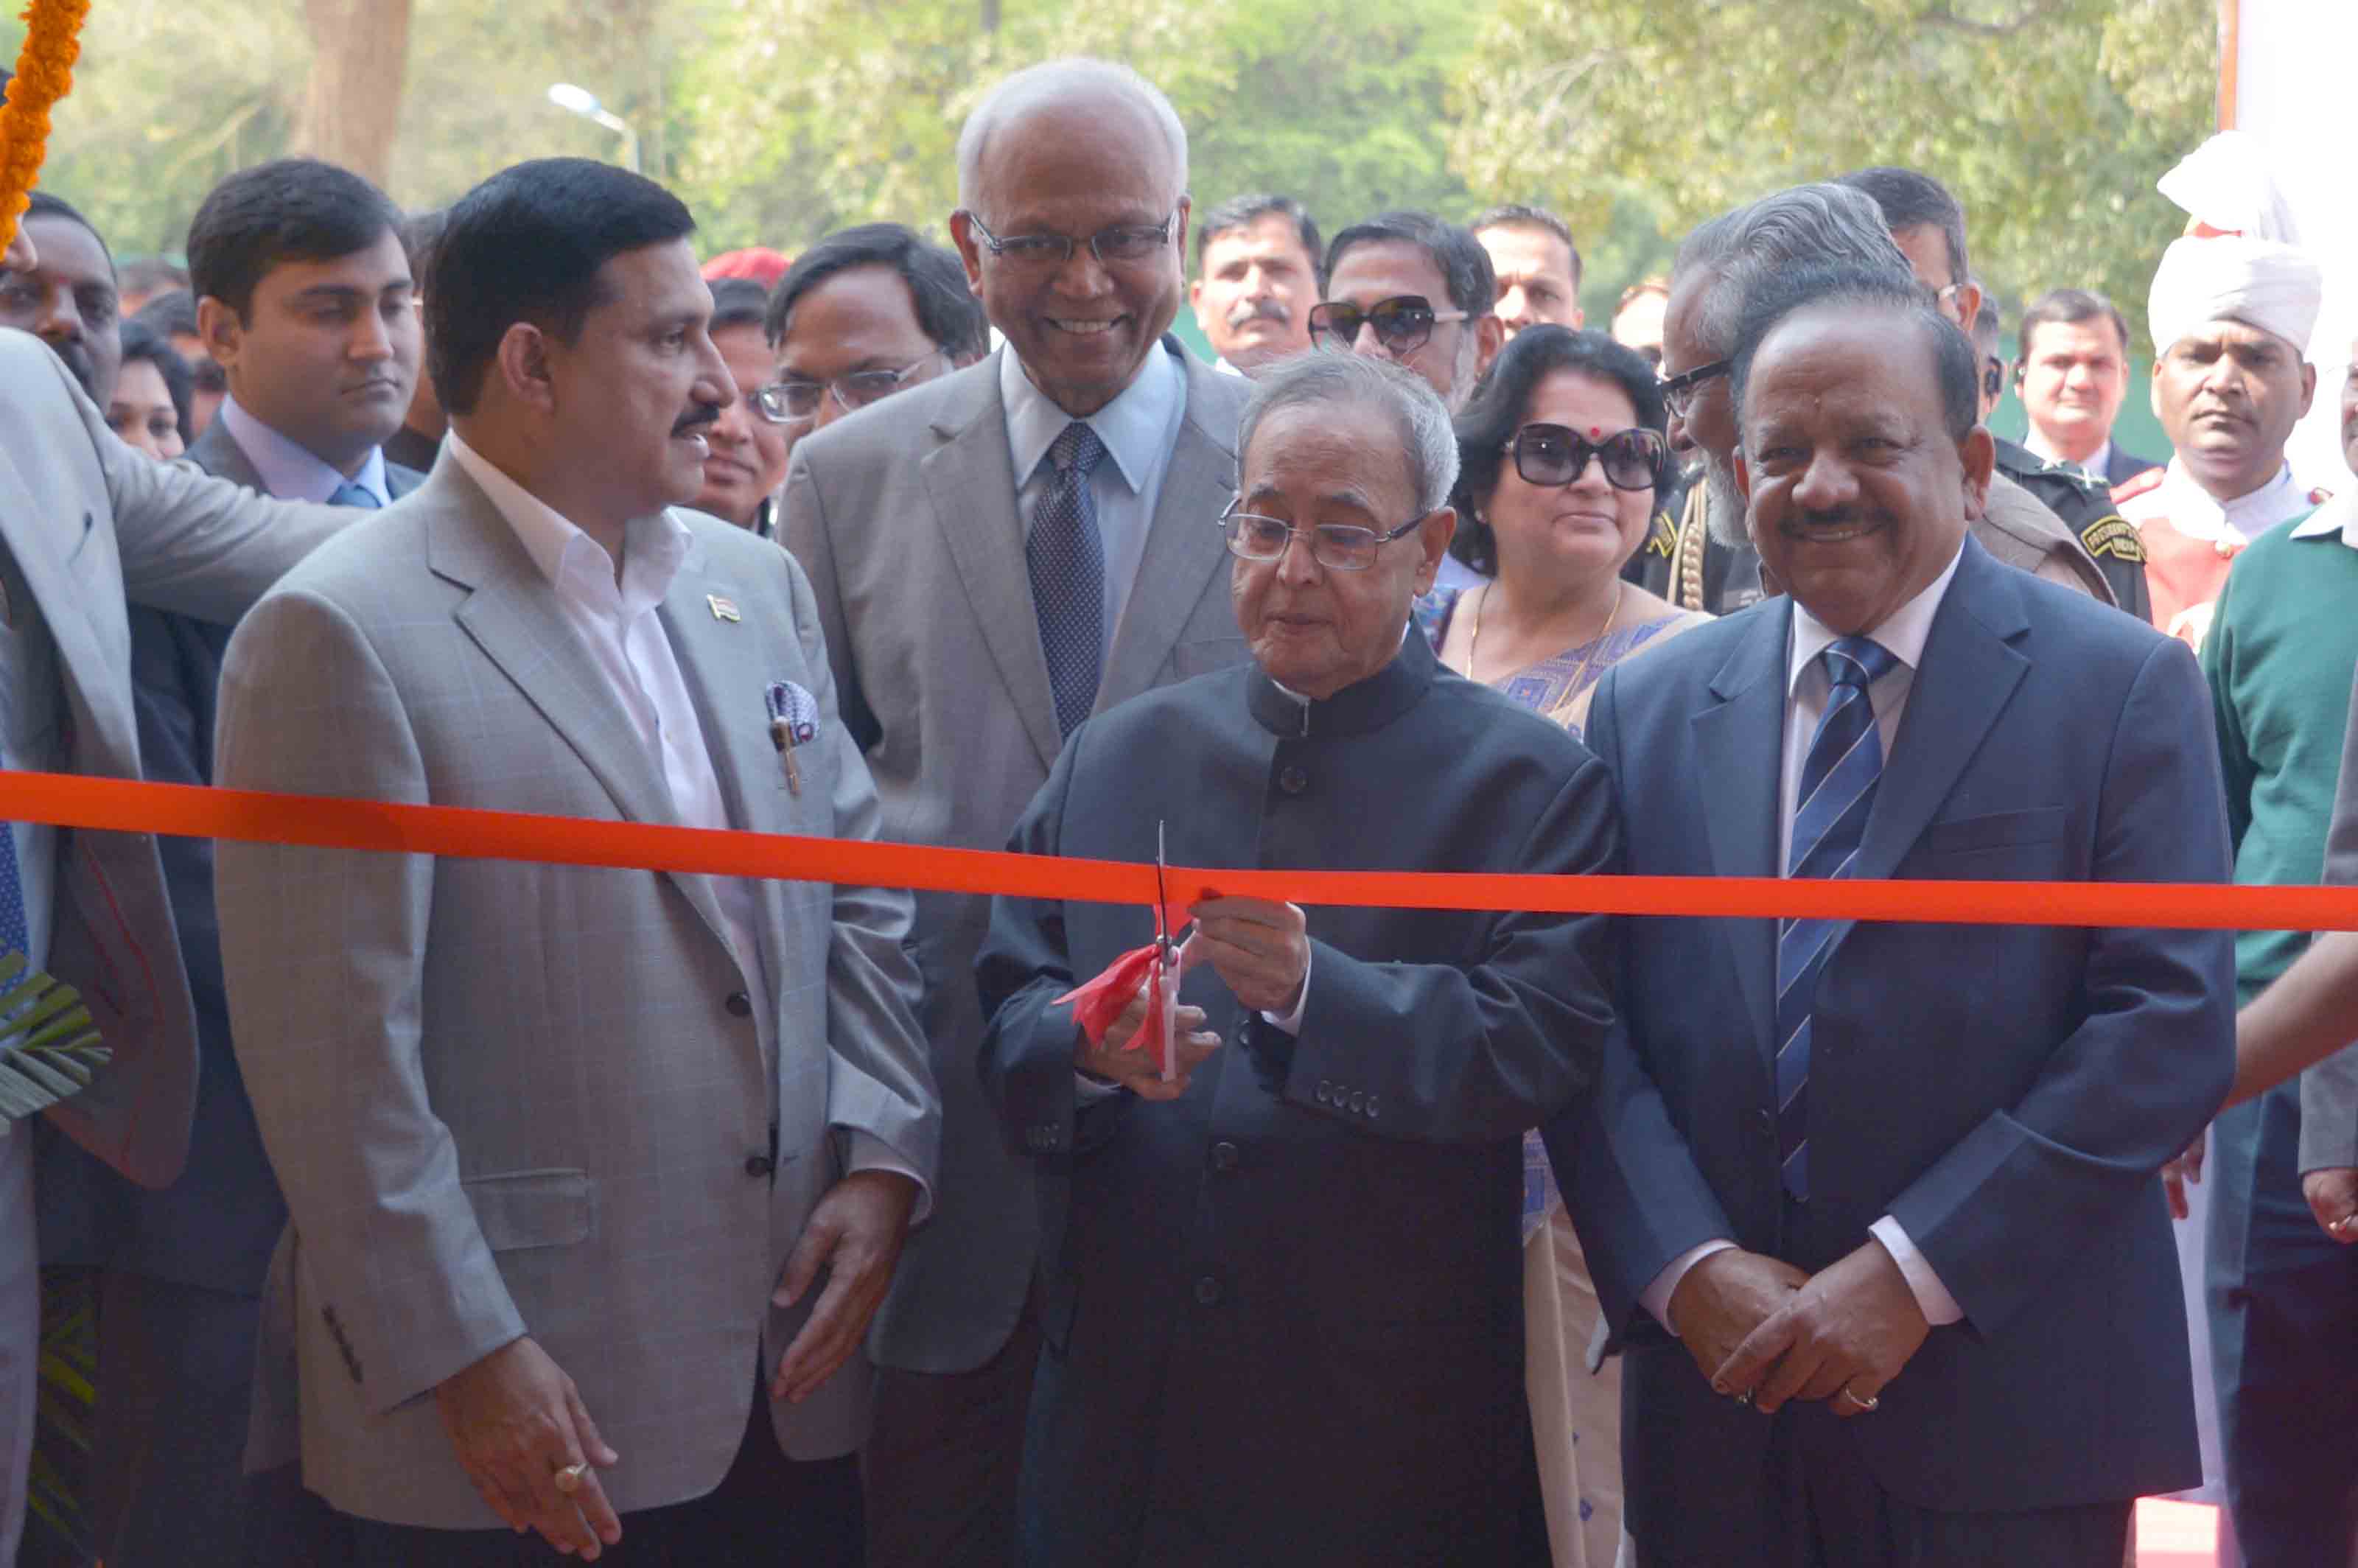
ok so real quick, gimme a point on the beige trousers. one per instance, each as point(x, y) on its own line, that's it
point(1575, 1413)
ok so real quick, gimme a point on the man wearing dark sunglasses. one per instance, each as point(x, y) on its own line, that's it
point(1408, 287)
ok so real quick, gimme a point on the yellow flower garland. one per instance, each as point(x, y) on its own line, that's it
point(44, 75)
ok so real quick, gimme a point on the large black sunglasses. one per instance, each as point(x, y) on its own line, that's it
point(1552, 455)
point(1403, 323)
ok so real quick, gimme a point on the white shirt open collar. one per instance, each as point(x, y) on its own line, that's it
point(1901, 633)
point(2339, 516)
point(291, 471)
point(2093, 465)
point(576, 565)
point(1135, 427)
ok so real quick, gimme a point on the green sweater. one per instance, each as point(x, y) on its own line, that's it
point(2280, 657)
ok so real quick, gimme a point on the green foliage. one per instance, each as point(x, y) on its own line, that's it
point(48, 1051)
point(2050, 119)
point(779, 120)
point(807, 113)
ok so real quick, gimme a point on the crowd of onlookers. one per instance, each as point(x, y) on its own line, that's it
point(981, 570)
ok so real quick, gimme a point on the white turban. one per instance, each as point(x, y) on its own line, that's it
point(2226, 183)
point(2227, 277)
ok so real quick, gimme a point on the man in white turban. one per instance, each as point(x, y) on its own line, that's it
point(2231, 318)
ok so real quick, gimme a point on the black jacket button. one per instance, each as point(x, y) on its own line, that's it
point(1208, 1291)
point(1292, 780)
point(738, 1004)
point(1224, 1155)
point(759, 1164)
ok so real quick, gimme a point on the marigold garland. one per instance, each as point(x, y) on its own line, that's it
point(44, 75)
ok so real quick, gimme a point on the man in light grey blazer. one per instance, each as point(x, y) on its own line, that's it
point(566, 1150)
point(996, 555)
point(87, 523)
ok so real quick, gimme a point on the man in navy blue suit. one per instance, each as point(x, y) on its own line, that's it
point(1872, 1208)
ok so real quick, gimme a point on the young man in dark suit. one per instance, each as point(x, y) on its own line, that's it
point(305, 300)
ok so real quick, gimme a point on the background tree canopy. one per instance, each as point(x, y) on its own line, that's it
point(781, 119)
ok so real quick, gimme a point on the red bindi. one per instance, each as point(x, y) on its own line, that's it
point(1594, 431)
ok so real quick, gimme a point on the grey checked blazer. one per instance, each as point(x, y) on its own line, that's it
point(90, 523)
point(905, 516)
point(506, 1097)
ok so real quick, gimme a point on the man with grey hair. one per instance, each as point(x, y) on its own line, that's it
point(997, 554)
point(1244, 1363)
point(1718, 265)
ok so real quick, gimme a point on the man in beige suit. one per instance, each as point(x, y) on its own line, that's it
point(86, 523)
point(566, 1150)
point(998, 554)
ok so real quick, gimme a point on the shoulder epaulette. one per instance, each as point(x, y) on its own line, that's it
point(2142, 484)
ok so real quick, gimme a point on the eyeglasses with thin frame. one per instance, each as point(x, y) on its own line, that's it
point(1114, 245)
point(1337, 545)
point(1553, 455)
point(1679, 391)
point(796, 402)
point(1403, 323)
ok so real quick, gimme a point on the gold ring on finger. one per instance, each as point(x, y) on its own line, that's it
point(568, 1477)
point(1862, 1406)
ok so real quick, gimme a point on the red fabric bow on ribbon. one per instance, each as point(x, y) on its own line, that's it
point(1096, 1003)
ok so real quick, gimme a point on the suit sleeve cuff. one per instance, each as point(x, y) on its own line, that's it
point(1291, 1021)
point(1939, 1306)
point(870, 1152)
point(1656, 1297)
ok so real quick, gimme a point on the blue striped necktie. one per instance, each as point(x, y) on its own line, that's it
point(1837, 789)
point(351, 494)
point(1065, 556)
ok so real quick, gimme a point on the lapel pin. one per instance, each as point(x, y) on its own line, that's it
point(722, 609)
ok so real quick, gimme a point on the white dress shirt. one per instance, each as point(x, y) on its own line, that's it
point(1901, 634)
point(1139, 429)
point(294, 473)
point(634, 658)
point(2093, 465)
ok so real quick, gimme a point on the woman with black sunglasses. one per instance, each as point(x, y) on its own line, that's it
point(1562, 453)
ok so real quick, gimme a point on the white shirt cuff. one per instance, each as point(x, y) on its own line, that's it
point(1291, 1021)
point(1939, 1306)
point(1656, 1298)
point(870, 1152)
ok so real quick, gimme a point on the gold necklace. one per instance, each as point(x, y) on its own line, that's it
point(1597, 644)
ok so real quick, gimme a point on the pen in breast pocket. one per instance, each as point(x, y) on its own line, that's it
point(782, 736)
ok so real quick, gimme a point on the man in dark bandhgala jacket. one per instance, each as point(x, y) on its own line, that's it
point(1284, 1290)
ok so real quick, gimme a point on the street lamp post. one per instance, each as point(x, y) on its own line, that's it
point(582, 102)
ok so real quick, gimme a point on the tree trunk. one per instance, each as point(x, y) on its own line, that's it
point(352, 105)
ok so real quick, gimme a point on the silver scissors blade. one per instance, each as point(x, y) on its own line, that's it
point(1162, 894)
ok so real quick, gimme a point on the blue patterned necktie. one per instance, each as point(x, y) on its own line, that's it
point(1837, 789)
point(351, 494)
point(15, 934)
point(1067, 559)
